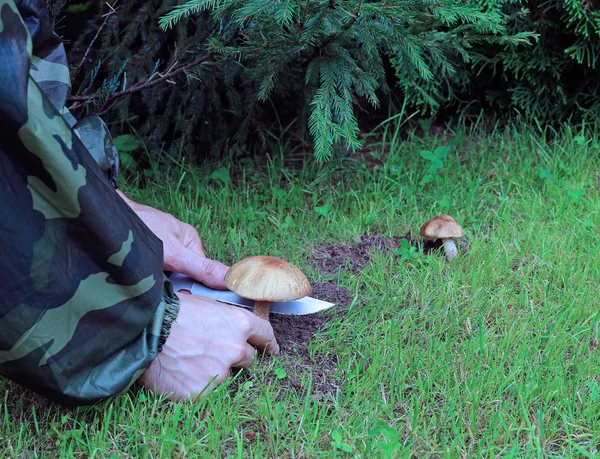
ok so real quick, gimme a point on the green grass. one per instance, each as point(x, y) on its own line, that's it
point(495, 354)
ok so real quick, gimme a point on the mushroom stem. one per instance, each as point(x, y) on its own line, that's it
point(261, 309)
point(450, 249)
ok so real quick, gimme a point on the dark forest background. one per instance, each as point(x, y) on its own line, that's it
point(207, 77)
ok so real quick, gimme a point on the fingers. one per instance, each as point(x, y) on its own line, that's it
point(256, 331)
point(246, 359)
point(262, 337)
point(210, 272)
point(194, 243)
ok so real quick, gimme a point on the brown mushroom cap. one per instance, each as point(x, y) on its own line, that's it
point(442, 227)
point(265, 278)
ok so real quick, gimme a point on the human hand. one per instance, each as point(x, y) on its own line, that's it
point(206, 340)
point(183, 252)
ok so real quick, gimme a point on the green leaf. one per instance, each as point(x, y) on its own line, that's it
point(544, 173)
point(446, 202)
point(407, 251)
point(221, 174)
point(579, 140)
point(346, 447)
point(285, 11)
point(407, 190)
point(435, 160)
point(126, 161)
point(576, 195)
point(320, 125)
point(391, 447)
point(426, 179)
point(588, 223)
point(323, 210)
point(280, 373)
point(336, 436)
point(375, 431)
point(441, 152)
point(426, 154)
point(126, 143)
point(389, 432)
point(288, 223)
point(405, 245)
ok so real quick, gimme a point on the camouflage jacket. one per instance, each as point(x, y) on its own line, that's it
point(85, 306)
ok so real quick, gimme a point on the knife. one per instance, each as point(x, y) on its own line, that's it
point(302, 306)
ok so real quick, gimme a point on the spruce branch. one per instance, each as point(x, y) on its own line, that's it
point(82, 101)
point(112, 10)
point(345, 28)
point(187, 9)
point(305, 17)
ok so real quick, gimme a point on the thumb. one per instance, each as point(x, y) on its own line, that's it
point(210, 272)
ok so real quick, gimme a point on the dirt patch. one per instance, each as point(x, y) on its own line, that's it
point(300, 329)
point(293, 334)
point(300, 366)
point(355, 255)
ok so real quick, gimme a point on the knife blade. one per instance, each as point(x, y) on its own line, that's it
point(302, 306)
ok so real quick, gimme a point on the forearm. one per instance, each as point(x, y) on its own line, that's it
point(132, 204)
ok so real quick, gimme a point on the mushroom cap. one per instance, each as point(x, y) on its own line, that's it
point(264, 278)
point(442, 227)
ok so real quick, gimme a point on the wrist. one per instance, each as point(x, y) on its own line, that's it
point(132, 204)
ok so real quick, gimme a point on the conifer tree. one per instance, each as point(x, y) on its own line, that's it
point(335, 50)
point(557, 79)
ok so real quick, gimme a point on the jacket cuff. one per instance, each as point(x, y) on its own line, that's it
point(170, 306)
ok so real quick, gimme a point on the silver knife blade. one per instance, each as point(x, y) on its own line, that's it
point(302, 306)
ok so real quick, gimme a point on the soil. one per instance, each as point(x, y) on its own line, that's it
point(325, 381)
point(291, 329)
point(354, 256)
point(293, 334)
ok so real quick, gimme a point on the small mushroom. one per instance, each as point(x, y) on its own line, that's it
point(266, 279)
point(445, 228)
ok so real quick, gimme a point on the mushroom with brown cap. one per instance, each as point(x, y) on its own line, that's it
point(445, 228)
point(266, 279)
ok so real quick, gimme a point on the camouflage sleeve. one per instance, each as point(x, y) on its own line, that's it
point(86, 306)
